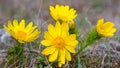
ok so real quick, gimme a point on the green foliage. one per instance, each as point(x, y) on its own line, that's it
point(15, 55)
point(39, 62)
point(92, 37)
point(15, 51)
point(72, 31)
point(89, 39)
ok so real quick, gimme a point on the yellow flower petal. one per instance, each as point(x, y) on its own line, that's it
point(64, 30)
point(106, 25)
point(28, 27)
point(65, 26)
point(47, 36)
point(71, 40)
point(52, 31)
point(51, 8)
point(46, 43)
point(113, 30)
point(53, 56)
point(22, 24)
point(10, 26)
point(59, 64)
point(72, 43)
point(31, 29)
point(33, 36)
point(15, 22)
point(62, 56)
point(49, 50)
point(58, 29)
point(111, 33)
point(67, 55)
point(73, 36)
point(8, 30)
point(70, 49)
point(100, 22)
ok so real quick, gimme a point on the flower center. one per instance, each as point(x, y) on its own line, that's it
point(21, 35)
point(58, 42)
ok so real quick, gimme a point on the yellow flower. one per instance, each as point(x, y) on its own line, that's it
point(20, 32)
point(105, 29)
point(63, 13)
point(59, 43)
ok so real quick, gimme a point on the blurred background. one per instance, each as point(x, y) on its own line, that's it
point(89, 11)
point(33, 10)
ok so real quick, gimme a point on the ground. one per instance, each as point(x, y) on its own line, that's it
point(89, 11)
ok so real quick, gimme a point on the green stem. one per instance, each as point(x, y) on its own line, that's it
point(79, 63)
point(89, 39)
point(81, 49)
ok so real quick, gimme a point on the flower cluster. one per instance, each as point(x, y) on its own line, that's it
point(60, 43)
point(58, 40)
